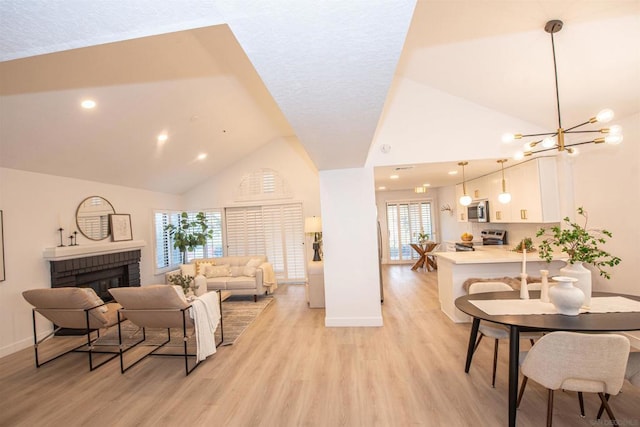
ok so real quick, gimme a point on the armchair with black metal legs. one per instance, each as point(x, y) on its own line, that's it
point(166, 307)
point(73, 308)
point(592, 363)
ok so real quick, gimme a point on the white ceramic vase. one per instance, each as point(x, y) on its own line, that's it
point(583, 274)
point(567, 298)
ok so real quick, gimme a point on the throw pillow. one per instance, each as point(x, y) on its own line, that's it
point(217, 271)
point(254, 262)
point(95, 300)
point(249, 271)
point(188, 270)
point(237, 271)
point(201, 263)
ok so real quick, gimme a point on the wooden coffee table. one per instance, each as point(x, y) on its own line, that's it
point(224, 295)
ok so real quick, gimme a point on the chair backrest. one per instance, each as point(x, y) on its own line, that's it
point(633, 369)
point(153, 306)
point(482, 287)
point(573, 361)
point(65, 306)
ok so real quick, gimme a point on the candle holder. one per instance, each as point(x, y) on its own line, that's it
point(524, 288)
point(61, 245)
point(71, 240)
point(75, 238)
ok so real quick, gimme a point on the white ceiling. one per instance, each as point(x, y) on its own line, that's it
point(333, 74)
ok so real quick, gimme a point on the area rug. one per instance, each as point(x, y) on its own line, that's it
point(238, 312)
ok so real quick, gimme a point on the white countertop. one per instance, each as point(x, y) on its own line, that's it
point(489, 255)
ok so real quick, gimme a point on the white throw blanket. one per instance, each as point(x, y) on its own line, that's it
point(205, 312)
point(269, 277)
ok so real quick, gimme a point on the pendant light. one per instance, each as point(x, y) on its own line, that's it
point(503, 197)
point(465, 200)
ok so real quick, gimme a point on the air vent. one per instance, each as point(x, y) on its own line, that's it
point(404, 168)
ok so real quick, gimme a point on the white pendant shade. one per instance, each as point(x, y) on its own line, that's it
point(504, 198)
point(465, 200)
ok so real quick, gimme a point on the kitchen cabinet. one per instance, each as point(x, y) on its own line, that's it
point(537, 198)
point(461, 211)
point(478, 188)
point(534, 193)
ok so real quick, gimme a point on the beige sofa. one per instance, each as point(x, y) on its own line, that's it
point(240, 275)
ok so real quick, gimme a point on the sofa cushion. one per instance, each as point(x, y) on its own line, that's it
point(241, 282)
point(237, 270)
point(249, 271)
point(254, 262)
point(213, 271)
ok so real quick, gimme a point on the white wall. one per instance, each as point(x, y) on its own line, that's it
point(351, 280)
point(285, 156)
point(607, 185)
point(32, 205)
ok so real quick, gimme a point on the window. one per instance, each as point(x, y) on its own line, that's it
point(167, 256)
point(404, 221)
point(276, 231)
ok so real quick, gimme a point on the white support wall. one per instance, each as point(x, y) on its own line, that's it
point(350, 244)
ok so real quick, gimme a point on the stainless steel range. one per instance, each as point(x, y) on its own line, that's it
point(493, 237)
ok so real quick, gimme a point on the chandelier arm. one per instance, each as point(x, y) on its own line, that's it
point(555, 72)
point(577, 126)
point(584, 131)
point(540, 134)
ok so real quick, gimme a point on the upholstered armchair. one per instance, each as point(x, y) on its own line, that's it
point(73, 308)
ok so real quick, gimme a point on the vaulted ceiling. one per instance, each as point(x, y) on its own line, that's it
point(344, 78)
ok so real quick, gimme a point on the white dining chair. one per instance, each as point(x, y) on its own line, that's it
point(632, 374)
point(493, 330)
point(592, 363)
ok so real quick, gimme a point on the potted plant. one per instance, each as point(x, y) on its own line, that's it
point(423, 237)
point(525, 243)
point(187, 283)
point(581, 245)
point(189, 234)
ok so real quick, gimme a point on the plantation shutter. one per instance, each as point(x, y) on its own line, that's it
point(404, 221)
point(275, 231)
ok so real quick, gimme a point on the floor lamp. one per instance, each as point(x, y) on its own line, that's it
point(313, 225)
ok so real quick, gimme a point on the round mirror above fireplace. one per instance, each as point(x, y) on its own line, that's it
point(92, 217)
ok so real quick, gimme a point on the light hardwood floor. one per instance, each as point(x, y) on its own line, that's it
point(287, 369)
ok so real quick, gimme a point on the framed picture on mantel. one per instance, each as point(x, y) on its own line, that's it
point(120, 227)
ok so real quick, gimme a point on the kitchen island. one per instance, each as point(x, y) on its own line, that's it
point(486, 262)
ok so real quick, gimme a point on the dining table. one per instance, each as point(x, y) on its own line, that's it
point(521, 321)
point(425, 260)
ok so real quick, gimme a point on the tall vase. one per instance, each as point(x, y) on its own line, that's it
point(583, 274)
point(567, 298)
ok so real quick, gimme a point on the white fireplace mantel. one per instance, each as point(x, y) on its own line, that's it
point(79, 251)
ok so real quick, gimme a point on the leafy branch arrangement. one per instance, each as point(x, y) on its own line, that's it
point(579, 243)
point(188, 235)
point(527, 243)
point(186, 282)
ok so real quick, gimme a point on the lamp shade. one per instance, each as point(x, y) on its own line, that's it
point(313, 224)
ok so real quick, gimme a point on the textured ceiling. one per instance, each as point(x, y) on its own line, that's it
point(340, 76)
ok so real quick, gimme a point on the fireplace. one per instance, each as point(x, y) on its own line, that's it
point(99, 272)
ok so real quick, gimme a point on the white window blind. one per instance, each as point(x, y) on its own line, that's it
point(273, 230)
point(404, 221)
point(167, 256)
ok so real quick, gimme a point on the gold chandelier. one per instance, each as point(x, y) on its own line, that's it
point(556, 140)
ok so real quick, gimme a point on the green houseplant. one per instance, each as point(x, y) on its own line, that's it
point(189, 234)
point(579, 243)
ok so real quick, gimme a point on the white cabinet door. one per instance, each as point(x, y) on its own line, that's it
point(478, 188)
point(526, 204)
point(461, 211)
point(498, 212)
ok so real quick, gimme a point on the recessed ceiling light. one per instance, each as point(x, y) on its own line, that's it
point(426, 185)
point(394, 177)
point(202, 156)
point(382, 187)
point(453, 172)
point(88, 104)
point(163, 137)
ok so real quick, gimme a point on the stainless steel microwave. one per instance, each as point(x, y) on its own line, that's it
point(478, 211)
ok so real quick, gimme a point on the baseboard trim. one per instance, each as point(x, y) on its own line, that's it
point(17, 346)
point(346, 322)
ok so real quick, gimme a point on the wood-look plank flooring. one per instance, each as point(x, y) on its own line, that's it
point(287, 369)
